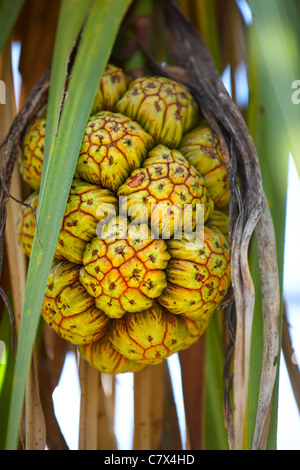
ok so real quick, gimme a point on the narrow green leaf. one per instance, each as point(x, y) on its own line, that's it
point(268, 128)
point(100, 31)
point(6, 374)
point(9, 12)
point(277, 30)
point(67, 32)
point(215, 431)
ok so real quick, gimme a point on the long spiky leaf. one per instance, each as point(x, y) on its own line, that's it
point(67, 32)
point(97, 41)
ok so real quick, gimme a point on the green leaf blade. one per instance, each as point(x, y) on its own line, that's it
point(67, 32)
point(215, 431)
point(272, 118)
point(100, 31)
point(277, 32)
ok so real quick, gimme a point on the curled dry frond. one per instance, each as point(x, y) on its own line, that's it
point(246, 207)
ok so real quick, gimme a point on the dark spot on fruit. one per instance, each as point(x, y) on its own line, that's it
point(136, 180)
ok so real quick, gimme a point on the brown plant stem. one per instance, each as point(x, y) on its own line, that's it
point(224, 117)
point(194, 391)
point(33, 104)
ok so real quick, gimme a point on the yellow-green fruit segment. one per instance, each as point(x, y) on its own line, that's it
point(166, 192)
point(148, 337)
point(87, 205)
point(124, 268)
point(32, 153)
point(104, 357)
point(201, 147)
point(198, 275)
point(113, 85)
point(163, 107)
point(219, 220)
point(69, 309)
point(113, 145)
point(26, 223)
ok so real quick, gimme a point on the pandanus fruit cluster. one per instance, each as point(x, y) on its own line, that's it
point(142, 259)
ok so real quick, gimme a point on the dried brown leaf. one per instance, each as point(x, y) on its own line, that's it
point(34, 426)
point(89, 378)
point(170, 434)
point(148, 400)
point(231, 30)
point(157, 399)
point(194, 391)
point(106, 436)
point(51, 358)
point(15, 256)
point(96, 427)
point(270, 309)
point(155, 418)
point(225, 118)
